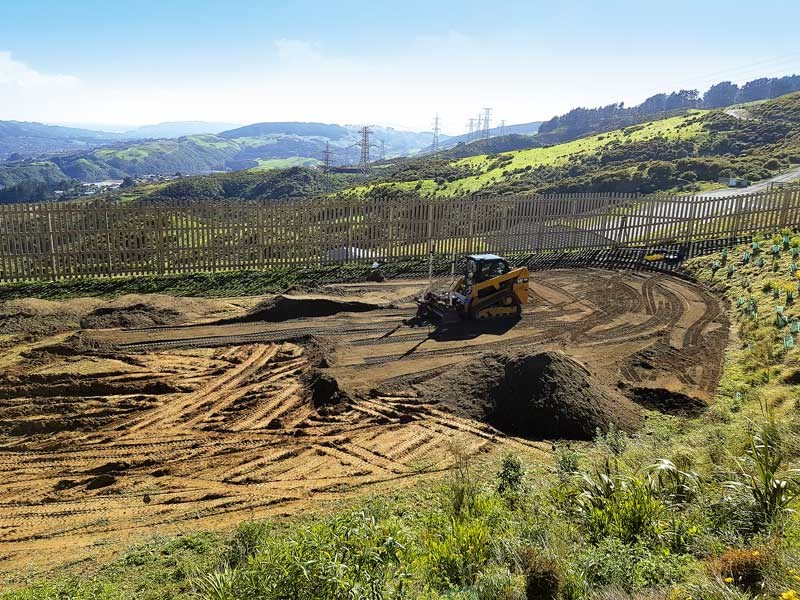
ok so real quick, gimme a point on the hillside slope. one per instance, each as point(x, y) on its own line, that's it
point(23, 139)
point(687, 152)
point(241, 148)
point(585, 121)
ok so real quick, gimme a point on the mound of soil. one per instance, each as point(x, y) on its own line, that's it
point(323, 389)
point(100, 481)
point(668, 402)
point(537, 396)
point(35, 317)
point(140, 314)
point(78, 343)
point(283, 308)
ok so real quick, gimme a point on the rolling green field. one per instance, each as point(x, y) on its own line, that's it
point(285, 163)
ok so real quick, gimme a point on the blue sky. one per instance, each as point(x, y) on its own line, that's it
point(381, 62)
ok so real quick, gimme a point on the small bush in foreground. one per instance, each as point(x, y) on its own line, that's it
point(761, 474)
point(620, 506)
point(741, 567)
point(455, 558)
point(511, 479)
point(349, 556)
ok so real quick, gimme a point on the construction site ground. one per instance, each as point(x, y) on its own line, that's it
point(156, 415)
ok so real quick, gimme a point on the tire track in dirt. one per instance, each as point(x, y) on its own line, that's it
point(235, 436)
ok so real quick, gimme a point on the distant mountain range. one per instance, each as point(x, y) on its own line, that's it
point(177, 129)
point(34, 152)
point(51, 153)
point(24, 140)
point(531, 128)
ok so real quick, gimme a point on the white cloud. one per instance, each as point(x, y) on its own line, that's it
point(18, 74)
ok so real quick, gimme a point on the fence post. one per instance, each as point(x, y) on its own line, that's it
point(160, 232)
point(51, 241)
point(507, 242)
point(785, 208)
point(690, 225)
point(573, 227)
point(349, 231)
point(431, 243)
point(543, 205)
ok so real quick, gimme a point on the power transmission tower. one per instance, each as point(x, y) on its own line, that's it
point(502, 128)
point(364, 144)
point(478, 126)
point(471, 126)
point(435, 144)
point(487, 120)
point(326, 158)
point(383, 149)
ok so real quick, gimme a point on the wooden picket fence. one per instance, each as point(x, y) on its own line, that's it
point(52, 241)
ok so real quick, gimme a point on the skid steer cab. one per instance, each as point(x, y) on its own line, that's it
point(489, 289)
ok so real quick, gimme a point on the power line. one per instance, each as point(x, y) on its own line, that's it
point(471, 126)
point(487, 120)
point(435, 144)
point(365, 145)
point(326, 158)
point(741, 72)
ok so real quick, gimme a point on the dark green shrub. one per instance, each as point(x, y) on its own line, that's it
point(631, 567)
point(461, 488)
point(352, 555)
point(245, 541)
point(761, 475)
point(510, 478)
point(567, 460)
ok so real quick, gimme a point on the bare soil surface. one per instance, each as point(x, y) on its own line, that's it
point(283, 308)
point(110, 435)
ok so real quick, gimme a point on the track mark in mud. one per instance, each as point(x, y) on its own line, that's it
point(214, 423)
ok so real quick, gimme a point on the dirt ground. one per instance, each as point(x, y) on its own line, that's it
point(160, 415)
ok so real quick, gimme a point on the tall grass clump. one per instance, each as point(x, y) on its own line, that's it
point(352, 555)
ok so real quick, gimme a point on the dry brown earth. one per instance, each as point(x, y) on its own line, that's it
point(112, 435)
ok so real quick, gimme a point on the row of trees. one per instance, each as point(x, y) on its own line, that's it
point(582, 121)
point(36, 191)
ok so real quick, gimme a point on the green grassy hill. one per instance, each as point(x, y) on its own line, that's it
point(679, 152)
point(262, 145)
point(14, 173)
point(262, 184)
point(189, 154)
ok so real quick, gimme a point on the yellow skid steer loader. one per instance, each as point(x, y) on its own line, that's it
point(489, 289)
